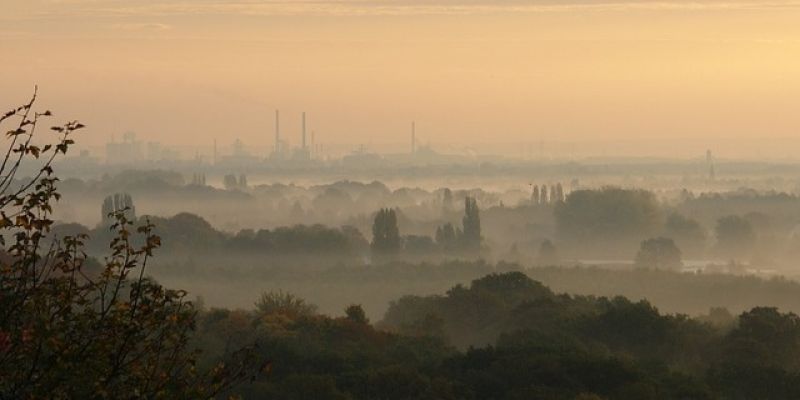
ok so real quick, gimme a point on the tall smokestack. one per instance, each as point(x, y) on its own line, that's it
point(215, 151)
point(304, 130)
point(277, 132)
point(413, 137)
point(710, 160)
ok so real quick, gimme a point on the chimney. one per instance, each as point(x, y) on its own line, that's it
point(277, 132)
point(413, 137)
point(304, 130)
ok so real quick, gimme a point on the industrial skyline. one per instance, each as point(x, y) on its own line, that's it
point(471, 72)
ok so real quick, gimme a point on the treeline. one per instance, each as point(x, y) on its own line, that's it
point(375, 285)
point(526, 342)
point(448, 239)
point(249, 204)
point(191, 233)
point(613, 222)
point(689, 293)
point(583, 224)
point(629, 225)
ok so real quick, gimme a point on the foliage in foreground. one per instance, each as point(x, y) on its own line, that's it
point(74, 329)
point(515, 339)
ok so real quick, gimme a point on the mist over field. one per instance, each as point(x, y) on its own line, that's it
point(227, 237)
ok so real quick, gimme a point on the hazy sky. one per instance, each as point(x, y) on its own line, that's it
point(468, 70)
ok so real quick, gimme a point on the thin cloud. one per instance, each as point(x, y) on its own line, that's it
point(145, 8)
point(143, 26)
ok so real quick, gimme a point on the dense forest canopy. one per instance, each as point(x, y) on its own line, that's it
point(506, 336)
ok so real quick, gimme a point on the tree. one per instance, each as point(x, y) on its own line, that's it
point(559, 193)
point(297, 212)
point(447, 201)
point(599, 219)
point(71, 331)
point(548, 255)
point(765, 336)
point(416, 244)
point(285, 303)
point(735, 236)
point(230, 182)
point(385, 234)
point(356, 314)
point(333, 202)
point(472, 225)
point(659, 253)
point(446, 236)
point(117, 202)
point(198, 179)
point(688, 234)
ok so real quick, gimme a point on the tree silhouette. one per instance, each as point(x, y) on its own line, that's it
point(688, 234)
point(735, 236)
point(559, 193)
point(115, 203)
point(356, 314)
point(447, 201)
point(446, 236)
point(593, 218)
point(471, 237)
point(659, 253)
point(385, 234)
point(548, 255)
point(230, 182)
point(284, 303)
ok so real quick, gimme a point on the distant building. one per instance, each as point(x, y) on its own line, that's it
point(301, 154)
point(158, 152)
point(239, 157)
point(362, 158)
point(238, 149)
point(128, 151)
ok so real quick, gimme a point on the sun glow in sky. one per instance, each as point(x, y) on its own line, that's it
point(468, 71)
